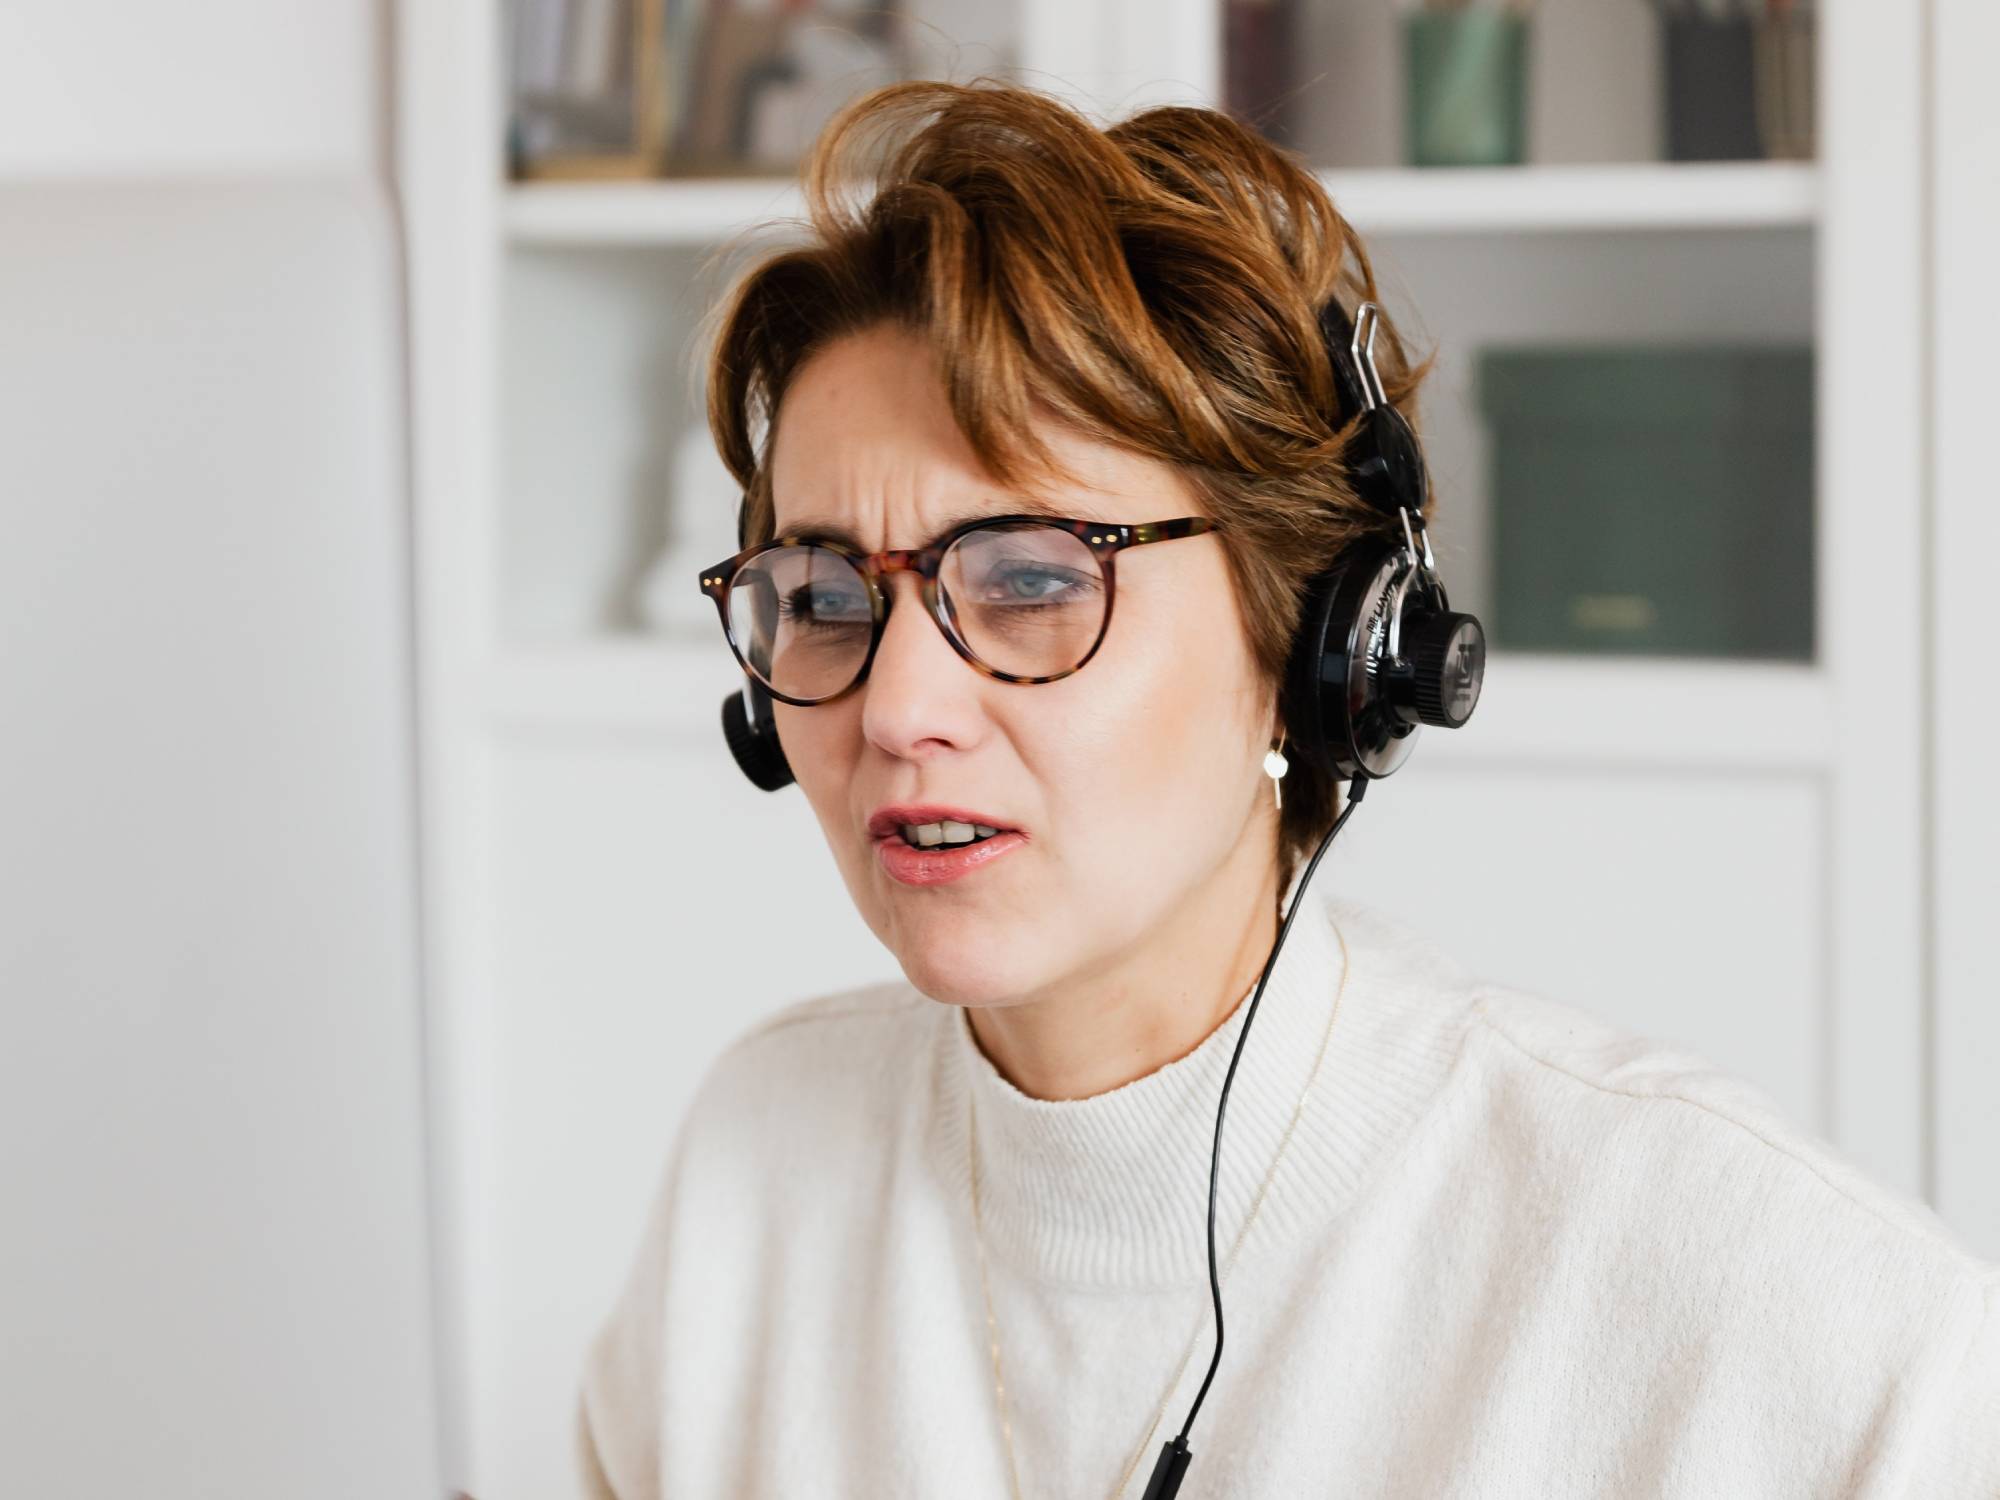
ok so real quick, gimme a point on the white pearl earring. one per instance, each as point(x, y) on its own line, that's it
point(1275, 766)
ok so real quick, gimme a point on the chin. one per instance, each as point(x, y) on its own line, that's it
point(955, 962)
point(955, 944)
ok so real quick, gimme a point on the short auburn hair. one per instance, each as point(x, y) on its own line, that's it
point(1155, 284)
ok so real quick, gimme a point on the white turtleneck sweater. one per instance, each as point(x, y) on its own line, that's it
point(1508, 1251)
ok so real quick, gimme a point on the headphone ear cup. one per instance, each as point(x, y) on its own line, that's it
point(755, 744)
point(747, 721)
point(1336, 703)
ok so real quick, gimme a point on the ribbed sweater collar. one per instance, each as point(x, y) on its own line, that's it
point(1112, 1190)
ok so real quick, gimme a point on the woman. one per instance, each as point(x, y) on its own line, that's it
point(943, 1236)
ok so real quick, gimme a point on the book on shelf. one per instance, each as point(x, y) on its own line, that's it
point(1652, 500)
point(588, 88)
point(701, 88)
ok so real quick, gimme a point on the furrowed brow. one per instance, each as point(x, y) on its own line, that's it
point(830, 531)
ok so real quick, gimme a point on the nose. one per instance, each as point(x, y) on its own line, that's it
point(921, 697)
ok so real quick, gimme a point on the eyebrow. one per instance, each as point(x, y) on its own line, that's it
point(829, 531)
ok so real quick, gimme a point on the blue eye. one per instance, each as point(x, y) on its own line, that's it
point(809, 606)
point(1035, 583)
point(1033, 586)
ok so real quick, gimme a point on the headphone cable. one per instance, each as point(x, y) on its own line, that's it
point(1172, 1464)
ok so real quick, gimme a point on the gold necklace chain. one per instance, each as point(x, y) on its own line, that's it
point(986, 1291)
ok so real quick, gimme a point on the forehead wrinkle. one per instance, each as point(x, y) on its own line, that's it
point(877, 459)
point(865, 480)
point(996, 505)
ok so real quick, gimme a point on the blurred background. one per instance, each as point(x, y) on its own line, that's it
point(374, 881)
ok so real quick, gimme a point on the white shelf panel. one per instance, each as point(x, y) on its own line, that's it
point(1640, 195)
point(695, 211)
point(1666, 712)
point(1546, 710)
point(1458, 200)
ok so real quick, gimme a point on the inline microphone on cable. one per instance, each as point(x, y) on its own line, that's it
point(1167, 1473)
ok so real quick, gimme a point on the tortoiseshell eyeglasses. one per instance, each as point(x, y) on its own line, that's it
point(1024, 598)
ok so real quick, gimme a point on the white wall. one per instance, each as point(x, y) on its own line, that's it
point(108, 87)
point(213, 1274)
point(1965, 538)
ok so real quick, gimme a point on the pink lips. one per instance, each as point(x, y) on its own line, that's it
point(937, 866)
point(912, 866)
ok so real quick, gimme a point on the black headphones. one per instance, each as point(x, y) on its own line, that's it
point(1378, 651)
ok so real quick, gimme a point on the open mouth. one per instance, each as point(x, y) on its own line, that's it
point(946, 835)
point(925, 846)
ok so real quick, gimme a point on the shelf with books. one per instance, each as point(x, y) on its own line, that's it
point(1385, 200)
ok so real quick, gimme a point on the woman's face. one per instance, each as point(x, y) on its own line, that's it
point(1131, 782)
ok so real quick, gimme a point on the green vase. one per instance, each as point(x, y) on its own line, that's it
point(1466, 87)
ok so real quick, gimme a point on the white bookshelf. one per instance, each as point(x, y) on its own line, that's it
point(1752, 829)
point(1554, 198)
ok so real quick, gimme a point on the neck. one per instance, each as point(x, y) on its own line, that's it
point(1154, 1003)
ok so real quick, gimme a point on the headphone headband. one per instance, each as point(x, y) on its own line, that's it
point(1385, 461)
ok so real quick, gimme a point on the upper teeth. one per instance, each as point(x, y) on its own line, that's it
point(945, 833)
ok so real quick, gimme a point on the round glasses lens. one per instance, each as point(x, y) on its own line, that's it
point(1027, 599)
point(801, 617)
